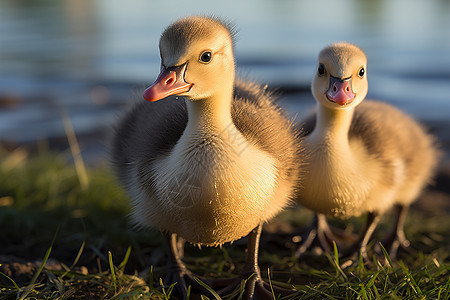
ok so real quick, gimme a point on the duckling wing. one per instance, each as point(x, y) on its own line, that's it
point(148, 130)
point(400, 144)
point(264, 123)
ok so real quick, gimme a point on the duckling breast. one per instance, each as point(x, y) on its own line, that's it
point(334, 185)
point(210, 192)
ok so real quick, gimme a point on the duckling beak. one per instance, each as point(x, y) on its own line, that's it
point(340, 91)
point(169, 82)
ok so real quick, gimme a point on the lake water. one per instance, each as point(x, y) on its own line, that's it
point(87, 57)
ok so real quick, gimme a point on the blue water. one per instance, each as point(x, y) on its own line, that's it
point(89, 56)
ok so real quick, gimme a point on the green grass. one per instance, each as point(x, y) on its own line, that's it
point(45, 216)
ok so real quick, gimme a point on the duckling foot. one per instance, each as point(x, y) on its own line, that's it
point(360, 246)
point(178, 273)
point(183, 279)
point(397, 239)
point(394, 245)
point(255, 287)
point(319, 237)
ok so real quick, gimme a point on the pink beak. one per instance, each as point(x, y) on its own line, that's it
point(169, 82)
point(340, 91)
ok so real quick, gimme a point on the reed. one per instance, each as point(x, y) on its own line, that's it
point(75, 150)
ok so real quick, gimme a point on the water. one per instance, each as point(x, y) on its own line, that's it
point(89, 56)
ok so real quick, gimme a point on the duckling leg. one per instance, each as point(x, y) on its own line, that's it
point(255, 287)
point(361, 244)
point(251, 269)
point(177, 270)
point(397, 239)
point(320, 235)
point(180, 242)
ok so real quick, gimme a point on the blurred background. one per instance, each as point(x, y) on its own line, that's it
point(90, 57)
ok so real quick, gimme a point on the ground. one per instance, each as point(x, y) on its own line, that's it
point(90, 250)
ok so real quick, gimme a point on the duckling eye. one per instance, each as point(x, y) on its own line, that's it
point(206, 57)
point(321, 69)
point(362, 71)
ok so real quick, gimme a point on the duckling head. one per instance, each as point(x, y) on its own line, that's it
point(341, 80)
point(196, 60)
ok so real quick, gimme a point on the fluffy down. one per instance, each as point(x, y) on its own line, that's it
point(215, 194)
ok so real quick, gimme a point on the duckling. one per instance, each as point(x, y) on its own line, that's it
point(215, 158)
point(365, 157)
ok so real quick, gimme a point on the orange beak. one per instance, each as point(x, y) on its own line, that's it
point(169, 82)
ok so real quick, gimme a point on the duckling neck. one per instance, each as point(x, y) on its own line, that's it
point(211, 115)
point(332, 125)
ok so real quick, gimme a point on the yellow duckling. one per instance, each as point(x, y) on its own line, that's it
point(212, 160)
point(365, 156)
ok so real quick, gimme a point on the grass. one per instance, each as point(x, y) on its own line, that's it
point(82, 246)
